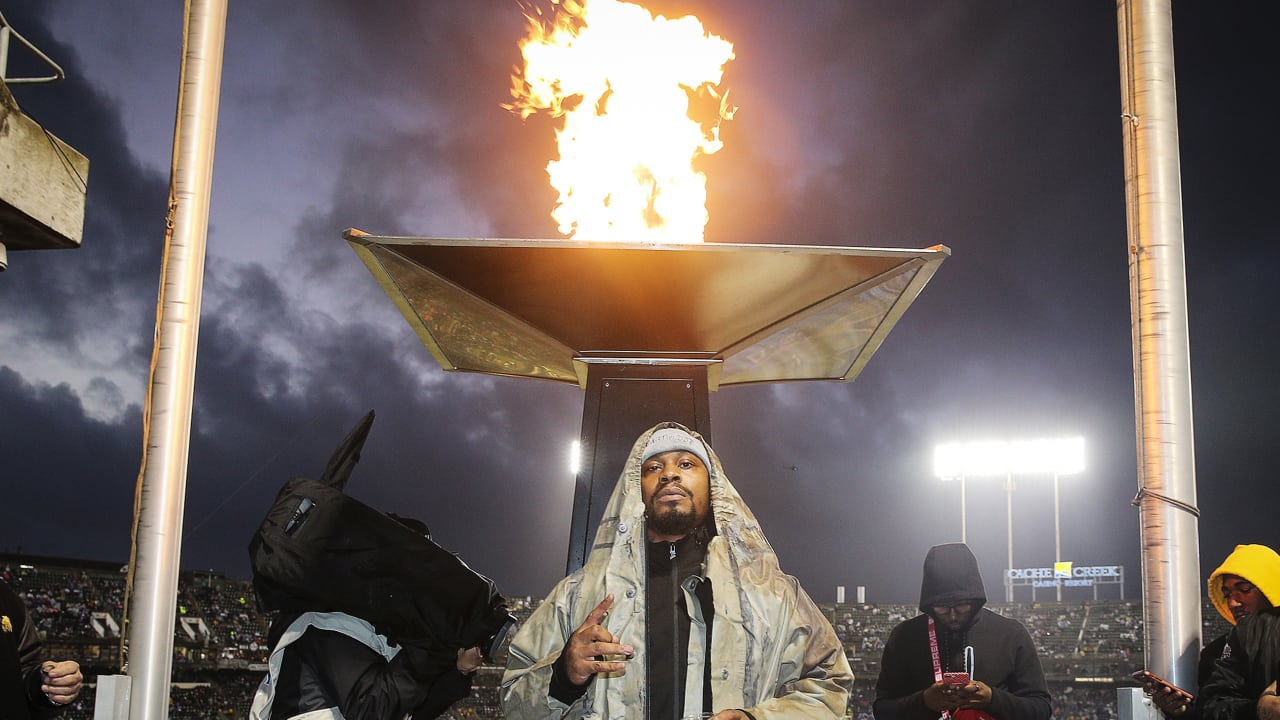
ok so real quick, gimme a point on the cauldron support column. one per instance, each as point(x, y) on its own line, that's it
point(622, 401)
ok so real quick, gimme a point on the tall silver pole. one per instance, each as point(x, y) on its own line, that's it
point(162, 490)
point(1162, 368)
point(964, 525)
point(1057, 536)
point(1008, 485)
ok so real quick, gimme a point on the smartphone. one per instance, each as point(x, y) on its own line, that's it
point(955, 679)
point(1146, 677)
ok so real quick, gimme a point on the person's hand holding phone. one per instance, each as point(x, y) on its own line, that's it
point(940, 696)
point(957, 691)
point(973, 695)
point(1171, 699)
point(1269, 704)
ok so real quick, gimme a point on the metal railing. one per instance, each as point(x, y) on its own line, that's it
point(7, 32)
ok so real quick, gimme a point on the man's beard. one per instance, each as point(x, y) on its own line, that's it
point(672, 521)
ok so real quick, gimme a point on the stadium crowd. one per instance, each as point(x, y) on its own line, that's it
point(1088, 648)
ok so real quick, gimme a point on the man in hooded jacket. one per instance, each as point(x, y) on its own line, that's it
point(956, 633)
point(1245, 584)
point(681, 573)
point(1245, 672)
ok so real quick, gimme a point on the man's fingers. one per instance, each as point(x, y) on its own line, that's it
point(592, 641)
point(607, 666)
point(62, 696)
point(592, 650)
point(582, 672)
point(591, 635)
point(612, 647)
point(62, 682)
point(588, 659)
point(592, 638)
point(596, 616)
point(597, 633)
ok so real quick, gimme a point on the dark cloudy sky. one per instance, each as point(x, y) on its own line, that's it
point(990, 127)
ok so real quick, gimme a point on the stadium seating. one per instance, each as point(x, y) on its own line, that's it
point(1088, 648)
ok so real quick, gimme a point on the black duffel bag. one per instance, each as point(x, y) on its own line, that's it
point(321, 550)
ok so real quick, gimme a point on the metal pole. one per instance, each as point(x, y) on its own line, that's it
point(162, 489)
point(622, 401)
point(964, 525)
point(4, 50)
point(1057, 536)
point(1162, 369)
point(1008, 485)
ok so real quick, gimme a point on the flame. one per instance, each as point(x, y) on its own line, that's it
point(623, 84)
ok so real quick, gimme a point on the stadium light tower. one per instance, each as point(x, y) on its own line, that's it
point(1056, 457)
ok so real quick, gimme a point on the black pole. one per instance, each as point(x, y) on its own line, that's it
point(622, 401)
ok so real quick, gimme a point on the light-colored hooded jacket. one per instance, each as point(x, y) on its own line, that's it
point(773, 652)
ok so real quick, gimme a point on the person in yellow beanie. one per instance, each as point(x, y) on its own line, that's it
point(1246, 583)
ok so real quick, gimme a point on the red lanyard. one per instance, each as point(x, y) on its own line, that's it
point(937, 661)
point(933, 650)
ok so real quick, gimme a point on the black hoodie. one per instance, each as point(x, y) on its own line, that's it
point(1004, 655)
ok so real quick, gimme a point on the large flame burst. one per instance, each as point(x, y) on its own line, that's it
point(626, 87)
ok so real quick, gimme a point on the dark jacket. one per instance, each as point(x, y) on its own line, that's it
point(1245, 668)
point(1209, 655)
point(670, 567)
point(1004, 655)
point(20, 658)
point(323, 669)
point(1204, 669)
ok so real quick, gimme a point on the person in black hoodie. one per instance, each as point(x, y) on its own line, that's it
point(956, 633)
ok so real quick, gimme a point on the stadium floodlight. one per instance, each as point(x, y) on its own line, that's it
point(575, 457)
point(1062, 456)
point(998, 458)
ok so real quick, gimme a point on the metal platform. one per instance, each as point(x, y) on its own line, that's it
point(548, 308)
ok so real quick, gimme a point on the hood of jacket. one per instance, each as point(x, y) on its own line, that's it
point(1258, 564)
point(738, 549)
point(951, 576)
point(734, 521)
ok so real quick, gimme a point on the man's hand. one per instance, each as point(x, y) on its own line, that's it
point(590, 643)
point(469, 660)
point(60, 681)
point(940, 696)
point(1171, 700)
point(974, 696)
point(1269, 704)
point(730, 715)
